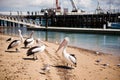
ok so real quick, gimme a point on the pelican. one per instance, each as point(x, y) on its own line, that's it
point(29, 41)
point(16, 43)
point(34, 50)
point(70, 58)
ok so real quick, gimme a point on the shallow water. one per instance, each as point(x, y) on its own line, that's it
point(99, 42)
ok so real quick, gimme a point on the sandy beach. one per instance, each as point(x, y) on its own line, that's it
point(19, 66)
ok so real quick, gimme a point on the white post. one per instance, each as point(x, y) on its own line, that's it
point(109, 24)
point(104, 26)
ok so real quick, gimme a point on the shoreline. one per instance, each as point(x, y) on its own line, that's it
point(94, 50)
point(75, 47)
point(18, 66)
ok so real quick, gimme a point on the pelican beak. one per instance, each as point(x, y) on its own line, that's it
point(64, 42)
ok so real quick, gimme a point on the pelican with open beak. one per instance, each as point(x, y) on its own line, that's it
point(70, 58)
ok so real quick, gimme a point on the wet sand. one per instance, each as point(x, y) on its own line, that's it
point(18, 66)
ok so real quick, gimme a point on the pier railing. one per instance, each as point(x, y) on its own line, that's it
point(26, 22)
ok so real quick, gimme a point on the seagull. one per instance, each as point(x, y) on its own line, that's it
point(99, 60)
point(70, 58)
point(29, 41)
point(106, 64)
point(46, 68)
point(118, 65)
point(97, 52)
point(16, 43)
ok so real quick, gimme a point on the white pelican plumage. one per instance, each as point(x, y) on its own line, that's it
point(34, 50)
point(29, 41)
point(16, 43)
point(70, 58)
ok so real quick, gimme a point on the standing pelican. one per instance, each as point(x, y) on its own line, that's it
point(70, 58)
point(16, 43)
point(34, 50)
point(29, 41)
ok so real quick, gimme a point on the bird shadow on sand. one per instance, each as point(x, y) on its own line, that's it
point(29, 59)
point(25, 47)
point(11, 51)
point(42, 73)
point(63, 67)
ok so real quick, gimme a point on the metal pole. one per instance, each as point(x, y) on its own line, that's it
point(46, 24)
point(46, 17)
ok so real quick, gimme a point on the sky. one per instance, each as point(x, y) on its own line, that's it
point(37, 5)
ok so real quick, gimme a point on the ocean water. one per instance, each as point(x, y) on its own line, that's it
point(109, 44)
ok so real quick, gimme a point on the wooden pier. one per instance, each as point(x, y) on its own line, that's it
point(78, 21)
point(96, 30)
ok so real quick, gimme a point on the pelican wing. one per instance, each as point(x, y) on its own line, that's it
point(73, 59)
point(27, 41)
point(42, 48)
point(33, 50)
point(37, 49)
point(13, 44)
